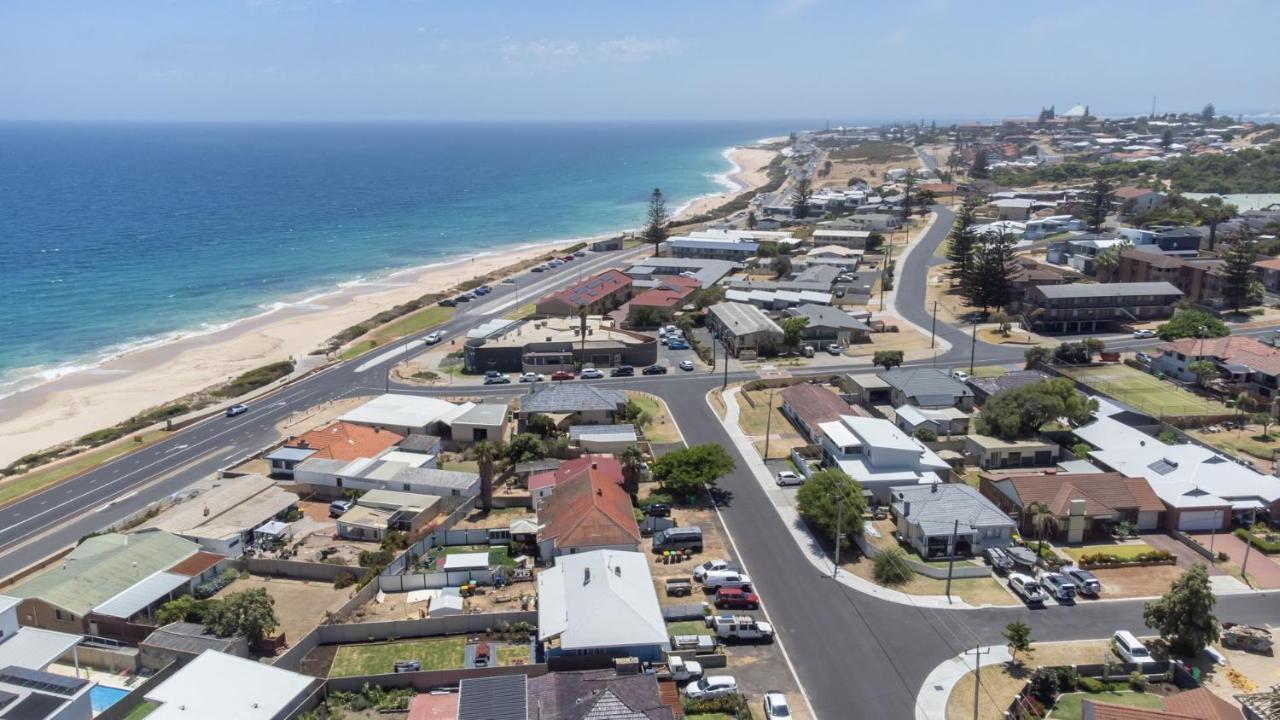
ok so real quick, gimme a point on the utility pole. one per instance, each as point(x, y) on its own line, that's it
point(973, 346)
point(933, 327)
point(951, 560)
point(888, 267)
point(768, 426)
point(978, 652)
point(724, 385)
point(835, 567)
point(1213, 535)
point(1248, 545)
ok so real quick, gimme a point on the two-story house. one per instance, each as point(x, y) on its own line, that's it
point(1247, 362)
point(879, 455)
point(1091, 307)
point(1197, 279)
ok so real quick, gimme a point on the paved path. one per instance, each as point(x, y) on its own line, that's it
point(931, 704)
point(1186, 556)
point(1263, 571)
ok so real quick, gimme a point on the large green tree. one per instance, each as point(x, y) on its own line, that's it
point(793, 330)
point(633, 462)
point(818, 501)
point(1020, 412)
point(487, 455)
point(1212, 211)
point(1184, 615)
point(655, 226)
point(908, 194)
point(690, 470)
point(979, 168)
point(1192, 323)
point(889, 359)
point(1018, 636)
point(1239, 283)
point(1099, 201)
point(960, 243)
point(525, 447)
point(990, 283)
point(250, 613)
point(182, 609)
point(800, 197)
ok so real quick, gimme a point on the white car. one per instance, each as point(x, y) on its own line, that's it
point(533, 377)
point(686, 365)
point(713, 686)
point(775, 706)
point(960, 375)
point(508, 281)
point(433, 337)
point(713, 565)
point(787, 477)
point(1143, 334)
point(1129, 648)
point(1026, 588)
point(590, 374)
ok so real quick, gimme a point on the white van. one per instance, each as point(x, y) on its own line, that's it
point(715, 579)
point(1129, 648)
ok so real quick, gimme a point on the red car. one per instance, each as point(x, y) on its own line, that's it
point(562, 375)
point(567, 258)
point(737, 598)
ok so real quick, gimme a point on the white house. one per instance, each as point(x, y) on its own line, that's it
point(600, 603)
point(879, 455)
point(403, 414)
point(217, 686)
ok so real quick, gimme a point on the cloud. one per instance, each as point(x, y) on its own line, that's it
point(551, 53)
point(634, 49)
point(792, 7)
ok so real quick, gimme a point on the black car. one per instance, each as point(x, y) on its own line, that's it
point(655, 370)
point(448, 302)
point(657, 510)
point(622, 371)
point(463, 298)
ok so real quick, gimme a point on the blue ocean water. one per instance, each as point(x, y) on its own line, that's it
point(118, 234)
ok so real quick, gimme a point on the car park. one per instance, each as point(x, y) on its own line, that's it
point(1129, 648)
point(1143, 334)
point(655, 370)
point(622, 371)
point(563, 375)
point(788, 477)
point(1026, 587)
point(237, 409)
point(591, 374)
point(1086, 582)
point(775, 706)
point(713, 686)
point(1058, 587)
point(686, 365)
point(712, 565)
point(433, 337)
point(998, 559)
point(736, 598)
point(533, 377)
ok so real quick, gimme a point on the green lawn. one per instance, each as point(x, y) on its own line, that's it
point(1145, 392)
point(513, 655)
point(461, 466)
point(983, 371)
point(21, 485)
point(687, 627)
point(498, 554)
point(662, 429)
point(379, 658)
point(140, 711)
point(1068, 707)
point(407, 325)
point(1121, 551)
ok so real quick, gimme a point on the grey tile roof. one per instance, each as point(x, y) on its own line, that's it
point(570, 397)
point(189, 638)
point(493, 698)
point(1088, 290)
point(825, 316)
point(743, 319)
point(935, 508)
point(596, 695)
point(420, 443)
point(916, 382)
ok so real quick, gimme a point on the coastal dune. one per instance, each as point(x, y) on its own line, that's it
point(80, 402)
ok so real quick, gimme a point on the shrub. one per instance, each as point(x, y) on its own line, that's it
point(344, 579)
point(924, 433)
point(1265, 544)
point(1068, 678)
point(1090, 685)
point(731, 705)
point(890, 567)
point(1138, 681)
point(1044, 685)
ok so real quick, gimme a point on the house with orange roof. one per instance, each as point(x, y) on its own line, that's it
point(1137, 201)
point(589, 511)
point(543, 484)
point(338, 440)
point(1085, 505)
point(658, 305)
point(1269, 273)
point(1251, 364)
point(599, 294)
point(1197, 704)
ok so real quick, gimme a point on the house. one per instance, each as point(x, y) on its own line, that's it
point(598, 295)
point(403, 414)
point(1090, 307)
point(378, 512)
point(949, 519)
point(330, 478)
point(500, 697)
point(584, 404)
point(847, 239)
point(807, 406)
point(1137, 201)
point(942, 422)
point(1086, 506)
point(32, 648)
point(775, 297)
point(712, 249)
point(1269, 273)
point(745, 331)
point(602, 694)
point(478, 423)
point(182, 642)
point(1079, 251)
point(222, 519)
point(993, 453)
point(658, 305)
point(1249, 364)
point(1026, 272)
point(879, 455)
point(1197, 279)
point(588, 511)
point(605, 467)
point(611, 439)
point(651, 271)
point(336, 441)
point(216, 685)
point(28, 694)
point(874, 221)
point(926, 387)
point(835, 250)
point(98, 570)
point(600, 603)
point(1196, 704)
point(1016, 209)
point(551, 344)
point(985, 387)
point(828, 325)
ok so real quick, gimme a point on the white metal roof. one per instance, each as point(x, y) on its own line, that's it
point(35, 648)
point(217, 686)
point(466, 561)
point(609, 595)
point(400, 411)
point(141, 594)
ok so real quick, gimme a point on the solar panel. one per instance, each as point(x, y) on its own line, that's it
point(35, 705)
point(1164, 467)
point(38, 680)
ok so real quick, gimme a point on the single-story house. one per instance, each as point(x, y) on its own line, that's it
point(332, 477)
point(613, 439)
point(606, 467)
point(223, 518)
point(828, 325)
point(403, 414)
point(990, 453)
point(850, 239)
point(337, 440)
point(218, 685)
point(601, 603)
point(603, 695)
point(1085, 506)
point(985, 387)
point(926, 387)
point(744, 329)
point(582, 404)
point(929, 517)
point(942, 421)
point(807, 406)
point(589, 511)
point(1253, 365)
point(379, 511)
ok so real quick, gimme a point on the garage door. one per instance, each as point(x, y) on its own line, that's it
point(1199, 519)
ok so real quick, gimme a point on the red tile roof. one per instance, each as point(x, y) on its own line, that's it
point(1103, 493)
point(346, 441)
point(434, 706)
point(1130, 192)
point(197, 564)
point(666, 295)
point(593, 289)
point(605, 466)
point(1202, 703)
point(1107, 711)
point(589, 510)
point(1268, 264)
point(1235, 349)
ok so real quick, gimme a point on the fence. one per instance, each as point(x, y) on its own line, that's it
point(1191, 543)
point(686, 611)
point(295, 569)
point(430, 679)
point(125, 705)
point(1154, 670)
point(435, 580)
point(419, 548)
point(962, 570)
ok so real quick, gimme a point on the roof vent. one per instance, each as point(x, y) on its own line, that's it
point(586, 576)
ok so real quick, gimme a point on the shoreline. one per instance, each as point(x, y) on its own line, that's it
point(87, 396)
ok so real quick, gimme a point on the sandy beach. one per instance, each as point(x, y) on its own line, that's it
point(82, 401)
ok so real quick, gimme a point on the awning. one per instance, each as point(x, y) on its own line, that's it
point(141, 595)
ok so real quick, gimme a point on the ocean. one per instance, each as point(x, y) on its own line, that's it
point(117, 236)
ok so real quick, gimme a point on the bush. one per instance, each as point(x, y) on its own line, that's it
point(1044, 685)
point(1138, 681)
point(1265, 544)
point(890, 567)
point(924, 433)
point(254, 379)
point(344, 579)
point(1090, 685)
point(731, 705)
point(1068, 678)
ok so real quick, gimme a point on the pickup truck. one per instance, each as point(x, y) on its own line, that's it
point(679, 587)
point(683, 670)
point(740, 627)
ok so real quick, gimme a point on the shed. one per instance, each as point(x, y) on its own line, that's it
point(446, 605)
point(182, 641)
point(466, 561)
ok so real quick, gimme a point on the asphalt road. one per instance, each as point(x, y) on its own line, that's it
point(855, 655)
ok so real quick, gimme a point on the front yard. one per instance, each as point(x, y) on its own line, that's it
point(755, 417)
point(661, 428)
point(1125, 551)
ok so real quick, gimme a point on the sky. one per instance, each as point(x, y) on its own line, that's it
point(498, 60)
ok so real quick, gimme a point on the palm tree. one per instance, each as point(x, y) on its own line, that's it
point(1043, 521)
point(632, 466)
point(486, 454)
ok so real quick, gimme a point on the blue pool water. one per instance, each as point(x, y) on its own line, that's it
point(104, 697)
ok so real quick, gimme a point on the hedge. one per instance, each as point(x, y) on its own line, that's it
point(1154, 557)
point(1270, 543)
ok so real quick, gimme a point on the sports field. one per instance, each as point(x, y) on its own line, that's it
point(1144, 392)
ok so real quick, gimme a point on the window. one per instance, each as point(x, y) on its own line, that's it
point(63, 616)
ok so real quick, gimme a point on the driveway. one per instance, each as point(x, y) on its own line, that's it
point(1186, 556)
point(1263, 571)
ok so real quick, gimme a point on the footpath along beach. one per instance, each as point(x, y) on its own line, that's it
point(80, 402)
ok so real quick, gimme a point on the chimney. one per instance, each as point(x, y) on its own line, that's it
point(599, 492)
point(595, 465)
point(934, 488)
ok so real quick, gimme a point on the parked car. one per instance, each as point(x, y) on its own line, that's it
point(1086, 582)
point(998, 559)
point(740, 627)
point(508, 281)
point(563, 375)
point(1142, 357)
point(787, 477)
point(580, 253)
point(494, 377)
point(775, 706)
point(678, 344)
point(622, 371)
point(657, 509)
point(433, 337)
point(683, 670)
point(465, 297)
point(339, 507)
point(655, 370)
point(736, 598)
point(1129, 648)
point(447, 302)
point(1143, 334)
point(482, 290)
point(726, 579)
point(533, 377)
point(713, 686)
point(1026, 587)
point(710, 565)
point(686, 365)
point(960, 375)
point(591, 374)
point(834, 349)
point(1058, 587)
point(237, 409)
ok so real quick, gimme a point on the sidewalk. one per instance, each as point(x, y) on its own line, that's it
point(1263, 571)
point(782, 502)
point(931, 701)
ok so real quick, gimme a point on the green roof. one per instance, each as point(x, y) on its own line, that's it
point(104, 566)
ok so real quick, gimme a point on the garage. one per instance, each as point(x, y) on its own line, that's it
point(1192, 520)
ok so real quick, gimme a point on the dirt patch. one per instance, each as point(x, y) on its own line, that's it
point(300, 605)
point(755, 418)
point(713, 546)
point(1137, 582)
point(914, 344)
point(301, 421)
point(495, 518)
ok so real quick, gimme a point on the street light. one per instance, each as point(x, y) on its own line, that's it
point(835, 567)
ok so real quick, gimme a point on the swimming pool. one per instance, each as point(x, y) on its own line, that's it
point(103, 697)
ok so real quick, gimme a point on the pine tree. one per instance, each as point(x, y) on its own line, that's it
point(990, 283)
point(655, 229)
point(1239, 282)
point(1099, 201)
point(1212, 211)
point(909, 186)
point(960, 245)
point(800, 198)
point(979, 168)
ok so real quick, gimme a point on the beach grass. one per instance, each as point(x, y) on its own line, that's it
point(409, 324)
point(445, 653)
point(21, 485)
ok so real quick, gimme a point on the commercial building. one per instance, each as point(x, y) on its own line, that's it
point(1094, 307)
point(551, 344)
point(730, 249)
point(744, 329)
point(599, 294)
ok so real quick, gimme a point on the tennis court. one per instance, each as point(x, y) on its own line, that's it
point(1144, 392)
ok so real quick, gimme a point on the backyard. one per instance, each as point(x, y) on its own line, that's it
point(1144, 392)
point(379, 658)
